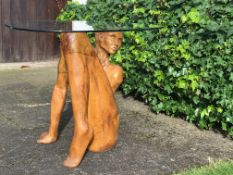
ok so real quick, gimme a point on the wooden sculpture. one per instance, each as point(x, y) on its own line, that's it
point(96, 118)
point(108, 43)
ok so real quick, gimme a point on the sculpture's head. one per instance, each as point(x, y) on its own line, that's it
point(109, 41)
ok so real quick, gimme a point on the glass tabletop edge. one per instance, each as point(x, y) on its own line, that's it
point(76, 31)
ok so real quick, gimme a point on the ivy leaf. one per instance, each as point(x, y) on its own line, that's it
point(194, 15)
point(213, 26)
point(181, 84)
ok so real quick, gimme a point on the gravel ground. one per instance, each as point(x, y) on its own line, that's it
point(149, 144)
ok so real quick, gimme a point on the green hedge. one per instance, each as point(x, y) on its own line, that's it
point(184, 69)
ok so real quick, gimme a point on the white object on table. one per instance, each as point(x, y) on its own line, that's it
point(81, 26)
point(78, 25)
point(80, 1)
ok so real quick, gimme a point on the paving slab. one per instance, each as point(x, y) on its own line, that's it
point(149, 144)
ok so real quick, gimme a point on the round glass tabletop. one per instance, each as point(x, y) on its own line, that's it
point(71, 26)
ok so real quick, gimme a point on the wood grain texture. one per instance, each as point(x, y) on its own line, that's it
point(6, 37)
point(47, 43)
point(17, 46)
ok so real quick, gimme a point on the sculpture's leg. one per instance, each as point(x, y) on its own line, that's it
point(79, 86)
point(57, 104)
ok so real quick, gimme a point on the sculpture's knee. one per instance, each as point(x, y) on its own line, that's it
point(118, 75)
point(77, 43)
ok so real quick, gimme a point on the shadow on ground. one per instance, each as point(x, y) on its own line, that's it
point(149, 144)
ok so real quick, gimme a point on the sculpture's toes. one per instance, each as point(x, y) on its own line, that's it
point(71, 162)
point(46, 138)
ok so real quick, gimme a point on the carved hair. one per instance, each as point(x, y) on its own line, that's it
point(98, 35)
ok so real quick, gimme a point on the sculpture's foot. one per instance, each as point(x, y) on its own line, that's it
point(46, 138)
point(78, 149)
point(72, 162)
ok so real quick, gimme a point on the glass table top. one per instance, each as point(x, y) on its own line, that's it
point(71, 26)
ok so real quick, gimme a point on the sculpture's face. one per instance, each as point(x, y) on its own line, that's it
point(111, 41)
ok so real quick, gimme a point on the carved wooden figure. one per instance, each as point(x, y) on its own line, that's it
point(92, 83)
point(108, 43)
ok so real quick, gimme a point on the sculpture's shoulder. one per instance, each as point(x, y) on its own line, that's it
point(77, 43)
